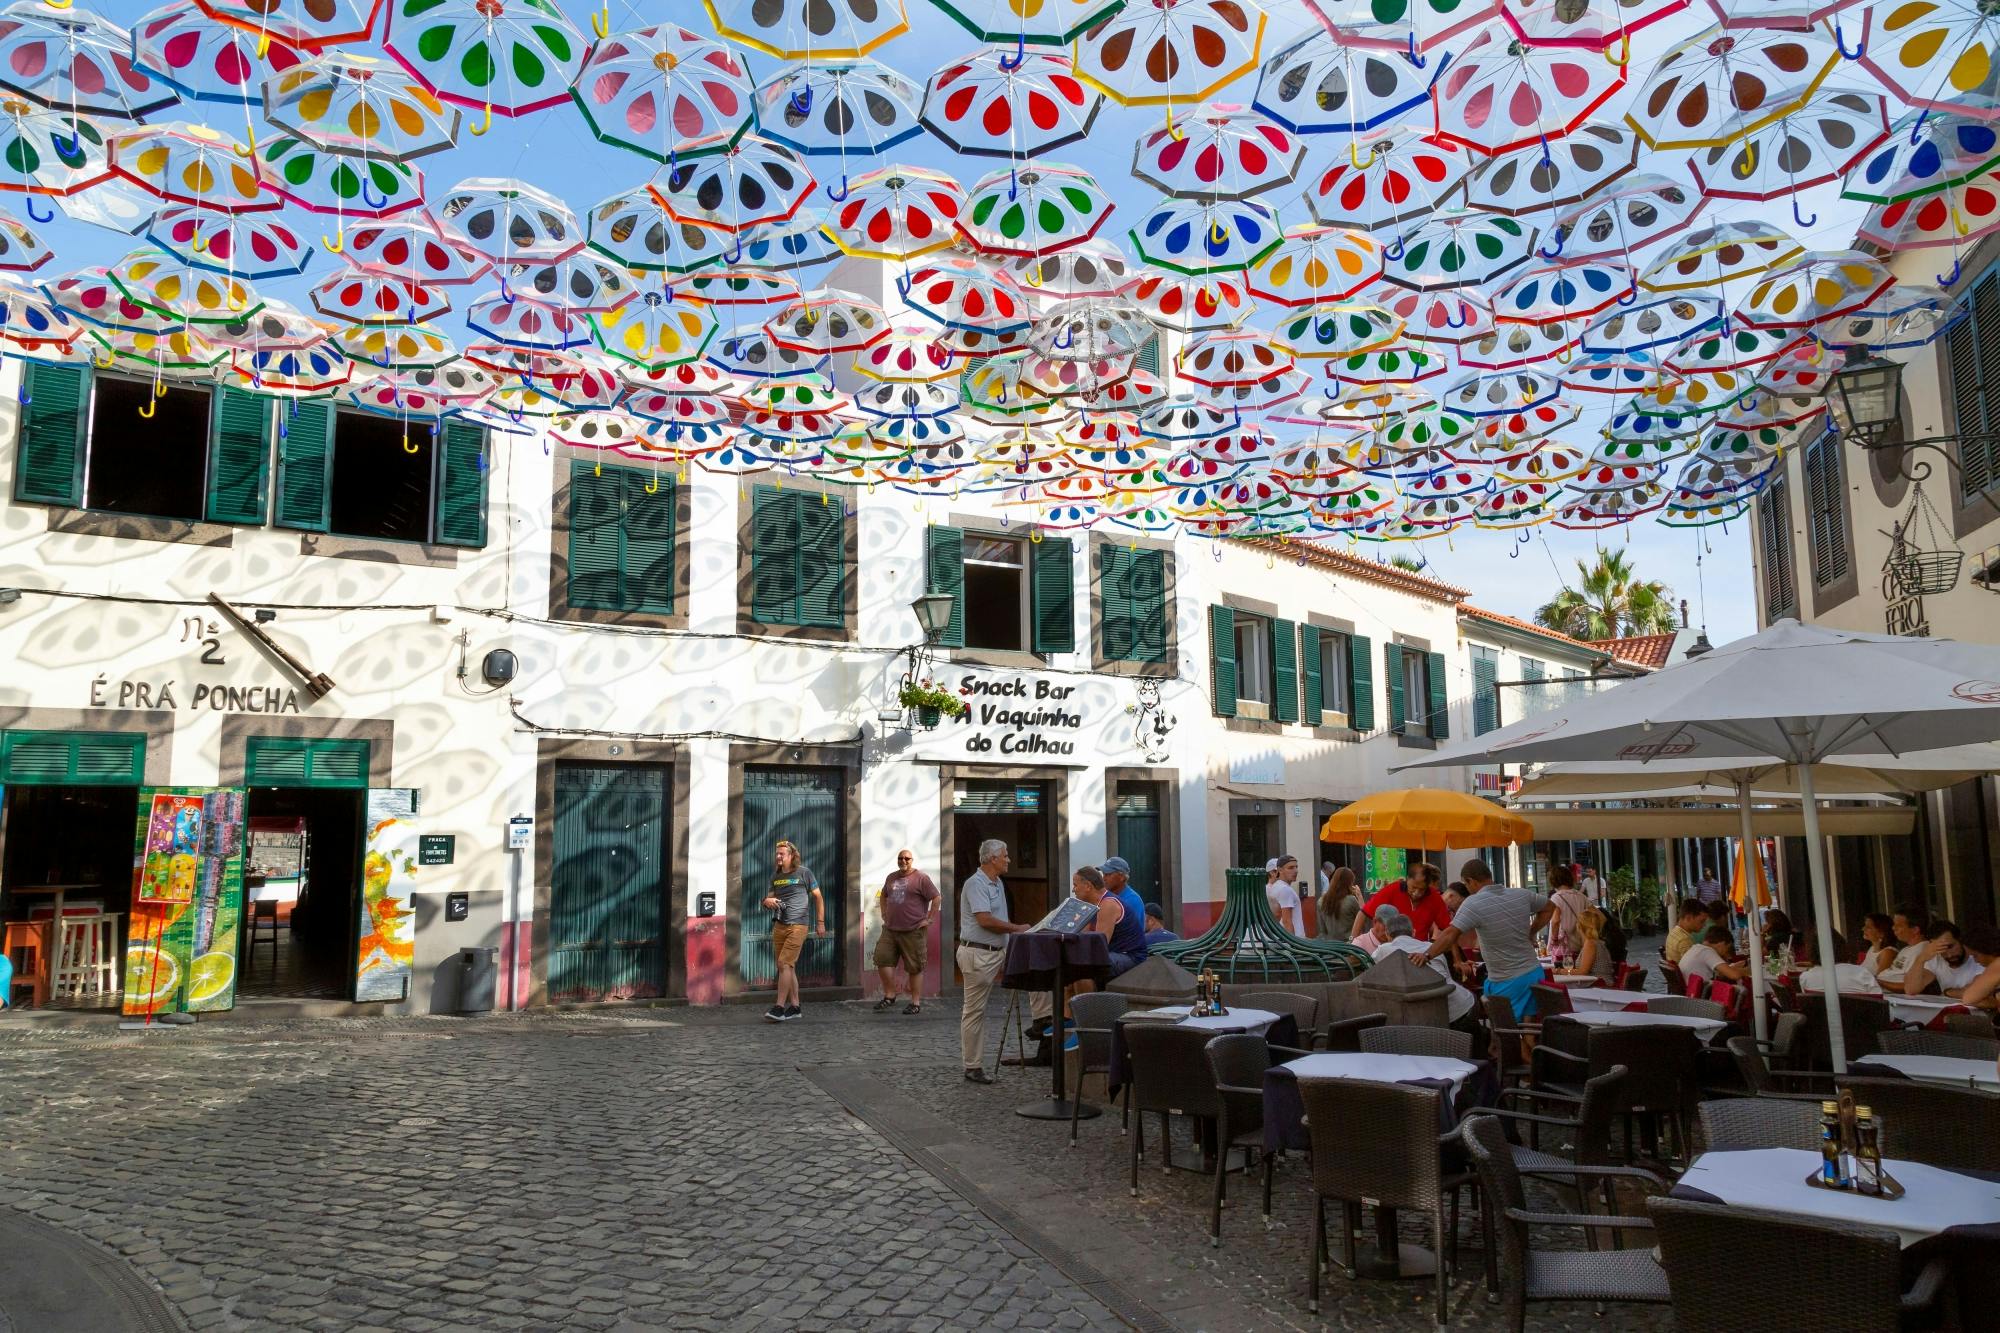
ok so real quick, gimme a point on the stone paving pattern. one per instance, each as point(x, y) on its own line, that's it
point(616, 1169)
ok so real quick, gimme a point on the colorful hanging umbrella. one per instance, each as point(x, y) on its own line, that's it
point(1316, 266)
point(989, 104)
point(1494, 393)
point(161, 283)
point(1324, 85)
point(896, 213)
point(1566, 173)
point(810, 29)
point(1502, 93)
point(335, 183)
point(960, 293)
point(490, 57)
point(189, 164)
point(1168, 52)
point(1033, 210)
point(1818, 287)
point(318, 371)
point(509, 221)
point(1784, 15)
point(1403, 176)
point(1820, 142)
point(1458, 248)
point(1415, 27)
point(1093, 268)
point(1738, 81)
point(414, 249)
point(32, 324)
point(1575, 291)
point(344, 103)
point(907, 354)
point(753, 180)
point(1907, 315)
point(1926, 153)
point(1957, 217)
point(581, 284)
point(1623, 372)
point(1218, 152)
point(308, 25)
point(1587, 27)
point(1226, 360)
point(1457, 316)
point(1091, 328)
point(1054, 23)
point(1202, 237)
point(74, 61)
point(205, 60)
point(49, 152)
point(397, 347)
point(1655, 322)
point(635, 229)
point(525, 324)
point(1937, 54)
point(1513, 346)
point(354, 297)
point(828, 320)
point(250, 245)
point(1706, 259)
point(653, 330)
point(1191, 303)
point(21, 250)
point(737, 287)
point(753, 355)
point(665, 93)
point(1628, 217)
point(846, 111)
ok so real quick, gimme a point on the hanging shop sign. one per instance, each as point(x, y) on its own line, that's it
point(1020, 715)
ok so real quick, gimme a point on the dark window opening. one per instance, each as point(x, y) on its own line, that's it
point(157, 465)
point(1254, 678)
point(996, 593)
point(1336, 687)
point(381, 483)
point(1416, 692)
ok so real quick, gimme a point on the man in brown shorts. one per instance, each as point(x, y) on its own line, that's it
point(908, 901)
point(793, 889)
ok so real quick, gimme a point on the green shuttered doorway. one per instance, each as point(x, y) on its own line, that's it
point(608, 885)
point(805, 805)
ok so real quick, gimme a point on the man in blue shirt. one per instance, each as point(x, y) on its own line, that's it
point(1128, 937)
point(1156, 927)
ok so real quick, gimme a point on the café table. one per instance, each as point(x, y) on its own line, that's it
point(1946, 1069)
point(1278, 1029)
point(1600, 999)
point(1054, 960)
point(1923, 1010)
point(1285, 1127)
point(1705, 1028)
point(1935, 1200)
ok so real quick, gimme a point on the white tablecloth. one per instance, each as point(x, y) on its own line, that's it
point(1920, 1008)
point(1938, 1069)
point(1236, 1020)
point(1775, 1178)
point(1596, 999)
point(1375, 1068)
point(1705, 1028)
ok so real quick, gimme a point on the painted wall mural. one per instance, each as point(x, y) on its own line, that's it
point(387, 949)
point(187, 901)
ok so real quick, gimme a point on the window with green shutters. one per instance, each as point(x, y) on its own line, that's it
point(944, 572)
point(48, 457)
point(239, 456)
point(1222, 660)
point(1132, 603)
point(1485, 690)
point(1361, 678)
point(1311, 676)
point(355, 475)
point(305, 456)
point(1009, 594)
point(304, 761)
point(798, 552)
point(1393, 678)
point(1439, 685)
point(1052, 595)
point(1285, 670)
point(622, 523)
point(72, 758)
point(461, 485)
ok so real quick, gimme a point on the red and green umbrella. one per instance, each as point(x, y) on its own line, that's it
point(665, 93)
point(1036, 209)
point(206, 60)
point(307, 25)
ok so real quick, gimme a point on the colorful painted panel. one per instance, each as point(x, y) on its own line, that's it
point(387, 951)
point(187, 901)
point(1385, 864)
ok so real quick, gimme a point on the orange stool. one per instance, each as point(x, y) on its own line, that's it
point(27, 947)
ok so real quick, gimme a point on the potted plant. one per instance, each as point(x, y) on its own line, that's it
point(930, 702)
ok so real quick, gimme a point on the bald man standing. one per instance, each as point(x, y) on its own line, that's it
point(908, 901)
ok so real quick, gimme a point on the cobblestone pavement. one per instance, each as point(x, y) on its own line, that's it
point(630, 1169)
point(657, 1168)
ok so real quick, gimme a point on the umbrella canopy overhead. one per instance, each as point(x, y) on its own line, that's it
point(1425, 817)
point(1848, 776)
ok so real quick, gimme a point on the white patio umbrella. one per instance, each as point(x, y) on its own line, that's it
point(1748, 781)
point(1796, 694)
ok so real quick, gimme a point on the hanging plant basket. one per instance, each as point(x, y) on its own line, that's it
point(931, 704)
point(927, 718)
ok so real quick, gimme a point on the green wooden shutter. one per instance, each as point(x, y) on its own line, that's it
point(1117, 641)
point(647, 527)
point(1222, 659)
point(822, 556)
point(596, 506)
point(1392, 668)
point(48, 460)
point(774, 556)
point(1146, 595)
point(72, 758)
point(1361, 677)
point(239, 456)
point(1440, 700)
point(304, 761)
point(1052, 595)
point(461, 486)
point(305, 458)
point(944, 571)
point(1485, 693)
point(1285, 670)
point(1311, 684)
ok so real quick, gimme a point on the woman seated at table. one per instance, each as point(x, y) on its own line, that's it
point(1778, 932)
point(1878, 942)
point(1594, 957)
point(1848, 978)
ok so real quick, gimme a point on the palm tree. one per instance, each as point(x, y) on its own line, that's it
point(1410, 563)
point(1609, 602)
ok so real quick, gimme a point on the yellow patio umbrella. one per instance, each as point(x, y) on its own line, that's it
point(1737, 894)
point(1426, 818)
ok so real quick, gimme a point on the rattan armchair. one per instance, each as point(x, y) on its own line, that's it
point(1094, 1014)
point(1526, 1273)
point(1509, 1055)
point(1835, 1277)
point(1760, 1080)
point(1759, 1122)
point(1344, 1034)
point(1304, 1010)
point(1684, 1007)
point(1954, 1128)
point(1863, 1019)
point(1909, 1041)
point(1237, 1062)
point(1169, 1075)
point(1661, 1070)
point(1978, 1023)
point(1402, 1039)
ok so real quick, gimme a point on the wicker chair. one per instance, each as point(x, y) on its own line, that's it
point(1404, 1040)
point(1550, 1001)
point(1835, 1277)
point(1631, 976)
point(1344, 1034)
point(1094, 1014)
point(1863, 1019)
point(1530, 1274)
point(1907, 1041)
point(1660, 1063)
point(1760, 1080)
point(1169, 1074)
point(1683, 1006)
point(1954, 1128)
point(1672, 979)
point(1510, 1059)
point(1786, 1048)
point(1237, 1062)
point(1304, 1010)
point(1979, 1023)
point(1375, 1141)
point(1759, 1122)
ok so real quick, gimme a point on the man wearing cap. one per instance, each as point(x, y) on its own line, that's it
point(1128, 937)
point(1156, 927)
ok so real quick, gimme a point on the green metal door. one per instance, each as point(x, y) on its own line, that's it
point(804, 805)
point(1138, 812)
point(608, 888)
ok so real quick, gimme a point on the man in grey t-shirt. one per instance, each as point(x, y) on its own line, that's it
point(1506, 921)
point(983, 929)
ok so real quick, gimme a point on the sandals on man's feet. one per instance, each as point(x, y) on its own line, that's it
point(913, 1009)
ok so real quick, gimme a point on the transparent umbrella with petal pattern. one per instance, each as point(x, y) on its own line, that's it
point(1202, 237)
point(1324, 85)
point(810, 29)
point(665, 92)
point(189, 164)
point(345, 103)
point(1218, 151)
point(1741, 79)
point(896, 213)
point(1171, 52)
point(1704, 260)
point(206, 60)
point(752, 181)
point(509, 221)
point(250, 245)
point(308, 25)
point(1317, 265)
point(493, 57)
point(1820, 142)
point(1570, 170)
point(993, 104)
point(849, 112)
point(1503, 94)
point(1034, 209)
point(75, 61)
point(1386, 180)
point(1942, 55)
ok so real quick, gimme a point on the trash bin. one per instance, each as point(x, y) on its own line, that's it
point(478, 973)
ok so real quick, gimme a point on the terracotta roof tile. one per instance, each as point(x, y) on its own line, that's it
point(1646, 650)
point(1529, 627)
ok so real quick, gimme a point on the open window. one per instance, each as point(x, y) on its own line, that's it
point(1418, 703)
point(1326, 676)
point(154, 465)
point(1253, 665)
point(1009, 594)
point(354, 474)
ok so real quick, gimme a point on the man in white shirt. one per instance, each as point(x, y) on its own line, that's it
point(1281, 888)
point(1941, 959)
point(1714, 958)
point(1908, 927)
point(1402, 939)
point(1589, 885)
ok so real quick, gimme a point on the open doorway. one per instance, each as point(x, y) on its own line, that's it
point(1020, 812)
point(301, 881)
point(68, 848)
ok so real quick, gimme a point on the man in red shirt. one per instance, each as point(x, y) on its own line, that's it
point(1416, 897)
